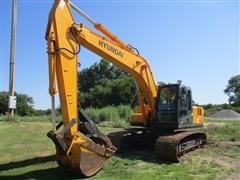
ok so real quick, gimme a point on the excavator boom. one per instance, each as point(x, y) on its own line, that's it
point(128, 60)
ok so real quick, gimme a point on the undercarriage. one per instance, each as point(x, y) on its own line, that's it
point(167, 146)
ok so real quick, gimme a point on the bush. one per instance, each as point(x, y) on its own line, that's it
point(115, 116)
point(237, 108)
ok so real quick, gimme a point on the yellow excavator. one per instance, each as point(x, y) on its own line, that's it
point(163, 110)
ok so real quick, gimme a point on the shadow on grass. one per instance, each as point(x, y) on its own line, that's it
point(146, 155)
point(135, 144)
point(50, 173)
point(27, 162)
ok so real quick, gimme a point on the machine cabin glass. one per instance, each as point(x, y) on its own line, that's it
point(174, 107)
point(168, 99)
point(185, 107)
point(167, 106)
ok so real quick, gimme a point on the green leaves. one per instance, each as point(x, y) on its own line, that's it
point(3, 102)
point(103, 84)
point(233, 90)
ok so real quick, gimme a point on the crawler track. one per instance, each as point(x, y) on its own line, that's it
point(168, 147)
point(172, 147)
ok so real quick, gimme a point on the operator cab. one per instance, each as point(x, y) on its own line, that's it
point(174, 107)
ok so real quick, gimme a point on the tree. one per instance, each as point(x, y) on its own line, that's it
point(3, 102)
point(24, 104)
point(233, 90)
point(103, 84)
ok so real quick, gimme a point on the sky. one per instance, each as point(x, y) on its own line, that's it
point(193, 41)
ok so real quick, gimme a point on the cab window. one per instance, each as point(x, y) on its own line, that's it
point(183, 98)
point(167, 98)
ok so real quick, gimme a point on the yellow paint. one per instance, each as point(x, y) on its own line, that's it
point(198, 115)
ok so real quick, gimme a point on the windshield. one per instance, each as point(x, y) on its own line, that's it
point(167, 98)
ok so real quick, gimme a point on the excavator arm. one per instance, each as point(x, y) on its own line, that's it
point(63, 61)
point(79, 144)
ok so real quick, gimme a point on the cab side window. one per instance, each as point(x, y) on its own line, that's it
point(183, 98)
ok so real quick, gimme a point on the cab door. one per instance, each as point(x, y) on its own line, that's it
point(184, 108)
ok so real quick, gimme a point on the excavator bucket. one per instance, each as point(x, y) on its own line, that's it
point(90, 163)
point(87, 151)
point(88, 156)
point(84, 156)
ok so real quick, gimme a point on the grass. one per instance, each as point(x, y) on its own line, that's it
point(26, 153)
point(223, 130)
point(17, 118)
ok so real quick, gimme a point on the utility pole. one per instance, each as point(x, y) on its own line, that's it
point(12, 98)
